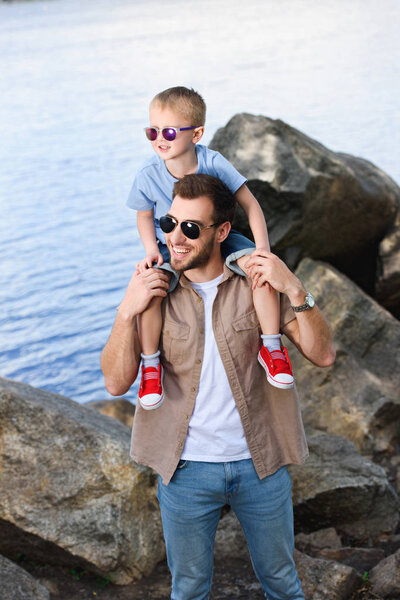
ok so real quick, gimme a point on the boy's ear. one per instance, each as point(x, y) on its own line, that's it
point(197, 134)
point(223, 231)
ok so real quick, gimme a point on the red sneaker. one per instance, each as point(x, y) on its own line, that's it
point(151, 393)
point(277, 367)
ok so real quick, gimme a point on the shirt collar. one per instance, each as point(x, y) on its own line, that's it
point(226, 274)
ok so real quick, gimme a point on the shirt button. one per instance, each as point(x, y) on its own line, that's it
point(193, 389)
point(201, 330)
point(198, 361)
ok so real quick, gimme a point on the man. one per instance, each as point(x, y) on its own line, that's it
point(223, 434)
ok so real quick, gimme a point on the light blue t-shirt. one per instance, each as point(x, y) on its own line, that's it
point(153, 184)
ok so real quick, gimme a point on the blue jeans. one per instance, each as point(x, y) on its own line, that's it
point(190, 509)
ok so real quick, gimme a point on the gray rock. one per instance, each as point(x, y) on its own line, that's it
point(120, 409)
point(390, 543)
point(388, 281)
point(230, 541)
point(18, 584)
point(317, 540)
point(358, 396)
point(317, 203)
point(385, 577)
point(337, 487)
point(361, 559)
point(68, 489)
point(325, 580)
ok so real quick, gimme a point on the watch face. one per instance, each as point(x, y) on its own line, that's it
point(310, 300)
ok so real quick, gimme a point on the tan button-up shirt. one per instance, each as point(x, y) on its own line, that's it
point(270, 417)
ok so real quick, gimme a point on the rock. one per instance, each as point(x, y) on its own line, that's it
point(358, 396)
point(18, 584)
point(361, 559)
point(120, 409)
point(230, 541)
point(325, 580)
point(388, 281)
point(385, 577)
point(390, 543)
point(312, 542)
point(337, 487)
point(317, 203)
point(68, 489)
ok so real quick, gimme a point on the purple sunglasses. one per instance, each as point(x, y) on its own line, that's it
point(168, 133)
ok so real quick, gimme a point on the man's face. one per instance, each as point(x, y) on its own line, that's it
point(186, 253)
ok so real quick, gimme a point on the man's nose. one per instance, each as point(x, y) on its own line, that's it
point(177, 236)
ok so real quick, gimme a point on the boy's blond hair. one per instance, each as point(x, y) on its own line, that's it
point(186, 101)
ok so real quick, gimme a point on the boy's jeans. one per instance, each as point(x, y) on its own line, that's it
point(190, 509)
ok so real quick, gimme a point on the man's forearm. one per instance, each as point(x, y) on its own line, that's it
point(120, 358)
point(311, 333)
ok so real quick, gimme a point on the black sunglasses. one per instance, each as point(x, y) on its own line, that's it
point(189, 229)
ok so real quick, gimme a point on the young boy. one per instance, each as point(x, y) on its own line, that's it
point(177, 117)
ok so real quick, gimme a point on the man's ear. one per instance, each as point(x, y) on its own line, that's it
point(223, 231)
point(197, 134)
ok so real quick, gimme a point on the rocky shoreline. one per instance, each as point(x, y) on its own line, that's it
point(78, 519)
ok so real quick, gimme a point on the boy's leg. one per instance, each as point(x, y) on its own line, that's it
point(190, 510)
point(265, 510)
point(151, 394)
point(272, 357)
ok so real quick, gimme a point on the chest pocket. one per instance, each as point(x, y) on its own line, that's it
point(248, 333)
point(174, 341)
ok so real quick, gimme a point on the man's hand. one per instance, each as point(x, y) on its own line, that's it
point(264, 267)
point(148, 261)
point(141, 289)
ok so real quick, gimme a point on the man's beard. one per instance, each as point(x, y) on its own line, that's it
point(199, 260)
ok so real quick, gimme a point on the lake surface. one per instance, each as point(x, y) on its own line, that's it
point(76, 79)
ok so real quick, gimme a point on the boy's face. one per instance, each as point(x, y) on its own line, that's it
point(184, 142)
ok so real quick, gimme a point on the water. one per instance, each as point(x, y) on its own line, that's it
point(76, 79)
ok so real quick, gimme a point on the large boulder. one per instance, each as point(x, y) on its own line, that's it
point(385, 577)
point(68, 489)
point(388, 282)
point(317, 203)
point(337, 487)
point(18, 584)
point(358, 396)
point(325, 579)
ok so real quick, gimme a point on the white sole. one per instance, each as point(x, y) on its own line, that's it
point(153, 406)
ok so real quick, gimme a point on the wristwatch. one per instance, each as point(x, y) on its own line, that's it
point(308, 304)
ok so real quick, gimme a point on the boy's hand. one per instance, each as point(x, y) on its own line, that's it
point(148, 261)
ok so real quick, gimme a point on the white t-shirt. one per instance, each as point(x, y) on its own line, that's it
point(215, 431)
